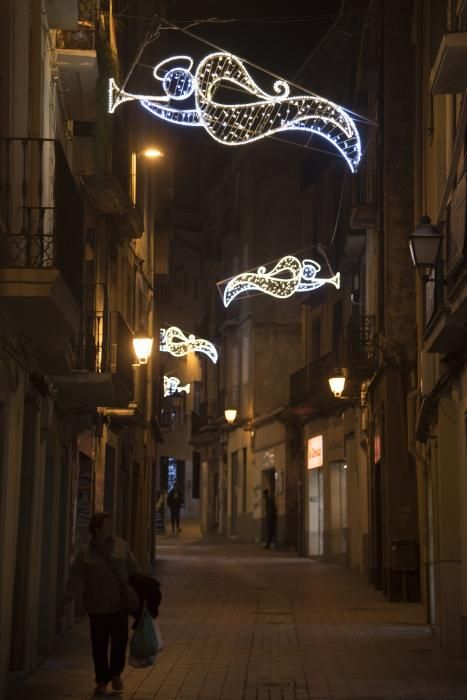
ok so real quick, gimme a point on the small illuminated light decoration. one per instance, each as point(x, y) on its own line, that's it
point(238, 124)
point(173, 340)
point(172, 386)
point(285, 279)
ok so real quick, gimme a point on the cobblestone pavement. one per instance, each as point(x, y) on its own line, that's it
point(240, 623)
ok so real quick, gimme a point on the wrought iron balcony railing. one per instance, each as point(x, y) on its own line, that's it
point(361, 340)
point(93, 341)
point(359, 354)
point(41, 210)
point(310, 383)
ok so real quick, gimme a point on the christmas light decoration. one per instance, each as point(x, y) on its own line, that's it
point(174, 341)
point(241, 123)
point(285, 279)
point(172, 386)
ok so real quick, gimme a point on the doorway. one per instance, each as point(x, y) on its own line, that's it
point(315, 512)
point(109, 479)
point(22, 589)
point(172, 471)
point(377, 522)
point(338, 502)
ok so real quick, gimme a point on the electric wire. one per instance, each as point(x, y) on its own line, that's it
point(172, 25)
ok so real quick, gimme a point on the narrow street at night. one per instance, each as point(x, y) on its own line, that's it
point(240, 623)
point(233, 349)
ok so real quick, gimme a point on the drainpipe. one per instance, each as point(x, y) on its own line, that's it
point(411, 442)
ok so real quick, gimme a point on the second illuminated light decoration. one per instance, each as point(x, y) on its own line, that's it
point(238, 124)
point(287, 277)
point(174, 341)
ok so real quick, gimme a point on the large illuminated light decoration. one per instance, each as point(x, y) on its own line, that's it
point(238, 124)
point(172, 386)
point(174, 341)
point(285, 279)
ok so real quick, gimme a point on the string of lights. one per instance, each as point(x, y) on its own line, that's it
point(287, 277)
point(168, 24)
point(356, 116)
point(174, 341)
point(242, 123)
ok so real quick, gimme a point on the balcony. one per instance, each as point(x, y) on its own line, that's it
point(41, 246)
point(77, 63)
point(205, 425)
point(361, 348)
point(62, 14)
point(103, 372)
point(457, 251)
point(448, 74)
point(309, 387)
point(107, 196)
point(446, 289)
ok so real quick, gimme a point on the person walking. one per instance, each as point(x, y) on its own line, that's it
point(103, 567)
point(270, 513)
point(175, 502)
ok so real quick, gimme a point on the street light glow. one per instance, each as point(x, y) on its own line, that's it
point(152, 153)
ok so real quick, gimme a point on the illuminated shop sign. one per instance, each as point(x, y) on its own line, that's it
point(315, 452)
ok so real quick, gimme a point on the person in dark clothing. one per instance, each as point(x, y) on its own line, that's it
point(101, 566)
point(270, 513)
point(175, 502)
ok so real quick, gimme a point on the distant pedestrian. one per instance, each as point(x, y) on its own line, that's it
point(175, 502)
point(103, 567)
point(270, 518)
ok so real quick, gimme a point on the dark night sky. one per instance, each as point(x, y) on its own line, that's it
point(279, 36)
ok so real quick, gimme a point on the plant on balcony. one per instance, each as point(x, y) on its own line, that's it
point(108, 68)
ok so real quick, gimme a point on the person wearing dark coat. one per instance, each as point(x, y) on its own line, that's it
point(175, 502)
point(270, 513)
point(99, 568)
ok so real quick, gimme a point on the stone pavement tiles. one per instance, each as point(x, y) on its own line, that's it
point(240, 623)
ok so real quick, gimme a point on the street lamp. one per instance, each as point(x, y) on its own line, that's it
point(152, 153)
point(337, 382)
point(424, 244)
point(142, 344)
point(230, 415)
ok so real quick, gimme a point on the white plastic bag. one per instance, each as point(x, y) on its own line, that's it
point(144, 643)
point(160, 641)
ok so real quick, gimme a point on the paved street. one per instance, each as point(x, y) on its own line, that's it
point(241, 623)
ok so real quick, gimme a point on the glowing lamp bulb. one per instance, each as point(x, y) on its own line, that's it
point(152, 153)
point(337, 384)
point(230, 415)
point(142, 345)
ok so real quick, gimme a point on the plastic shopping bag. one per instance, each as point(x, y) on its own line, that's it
point(143, 644)
point(157, 630)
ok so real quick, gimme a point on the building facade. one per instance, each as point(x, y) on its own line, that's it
point(77, 252)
